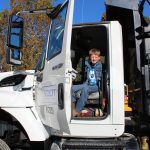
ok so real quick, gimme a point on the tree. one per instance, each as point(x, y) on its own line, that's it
point(35, 29)
point(3, 30)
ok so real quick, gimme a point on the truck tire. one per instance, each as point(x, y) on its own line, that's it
point(55, 146)
point(132, 144)
point(3, 145)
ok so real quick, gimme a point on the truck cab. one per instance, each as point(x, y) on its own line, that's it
point(67, 47)
point(61, 66)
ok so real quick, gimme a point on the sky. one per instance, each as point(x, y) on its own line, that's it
point(96, 8)
point(4, 4)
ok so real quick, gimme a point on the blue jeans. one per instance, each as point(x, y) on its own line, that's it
point(85, 91)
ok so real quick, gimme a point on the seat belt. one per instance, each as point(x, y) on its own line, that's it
point(83, 69)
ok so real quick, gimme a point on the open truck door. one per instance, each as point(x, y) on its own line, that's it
point(55, 78)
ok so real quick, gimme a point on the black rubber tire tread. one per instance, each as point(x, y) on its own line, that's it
point(3, 145)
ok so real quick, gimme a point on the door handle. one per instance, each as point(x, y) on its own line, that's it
point(61, 96)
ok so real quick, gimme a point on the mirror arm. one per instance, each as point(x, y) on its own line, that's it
point(37, 11)
point(51, 12)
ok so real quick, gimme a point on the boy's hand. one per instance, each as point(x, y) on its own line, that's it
point(73, 73)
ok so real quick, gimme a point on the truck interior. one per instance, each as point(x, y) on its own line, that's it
point(84, 38)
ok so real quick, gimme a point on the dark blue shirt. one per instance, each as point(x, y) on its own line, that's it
point(97, 68)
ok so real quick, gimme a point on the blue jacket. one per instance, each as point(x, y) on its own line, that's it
point(97, 69)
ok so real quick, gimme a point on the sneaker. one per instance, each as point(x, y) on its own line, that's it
point(86, 113)
point(101, 113)
point(97, 112)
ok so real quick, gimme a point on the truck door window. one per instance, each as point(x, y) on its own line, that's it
point(41, 61)
point(56, 35)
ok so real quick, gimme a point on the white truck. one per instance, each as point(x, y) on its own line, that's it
point(35, 105)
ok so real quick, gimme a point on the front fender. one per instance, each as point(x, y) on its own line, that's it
point(30, 121)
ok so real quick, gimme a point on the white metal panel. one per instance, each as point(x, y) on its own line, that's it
point(97, 131)
point(30, 121)
point(14, 96)
point(116, 74)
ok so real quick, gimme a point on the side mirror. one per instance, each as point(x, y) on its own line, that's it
point(15, 32)
point(13, 56)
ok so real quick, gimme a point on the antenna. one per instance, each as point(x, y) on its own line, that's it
point(82, 9)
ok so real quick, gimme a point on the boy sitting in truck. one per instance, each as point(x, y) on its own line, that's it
point(93, 71)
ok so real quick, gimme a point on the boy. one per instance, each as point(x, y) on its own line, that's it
point(93, 71)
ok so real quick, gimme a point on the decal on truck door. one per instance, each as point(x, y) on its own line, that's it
point(50, 94)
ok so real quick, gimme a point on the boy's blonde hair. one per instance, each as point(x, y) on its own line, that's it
point(94, 51)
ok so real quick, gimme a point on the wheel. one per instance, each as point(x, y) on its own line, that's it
point(132, 144)
point(55, 146)
point(3, 145)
